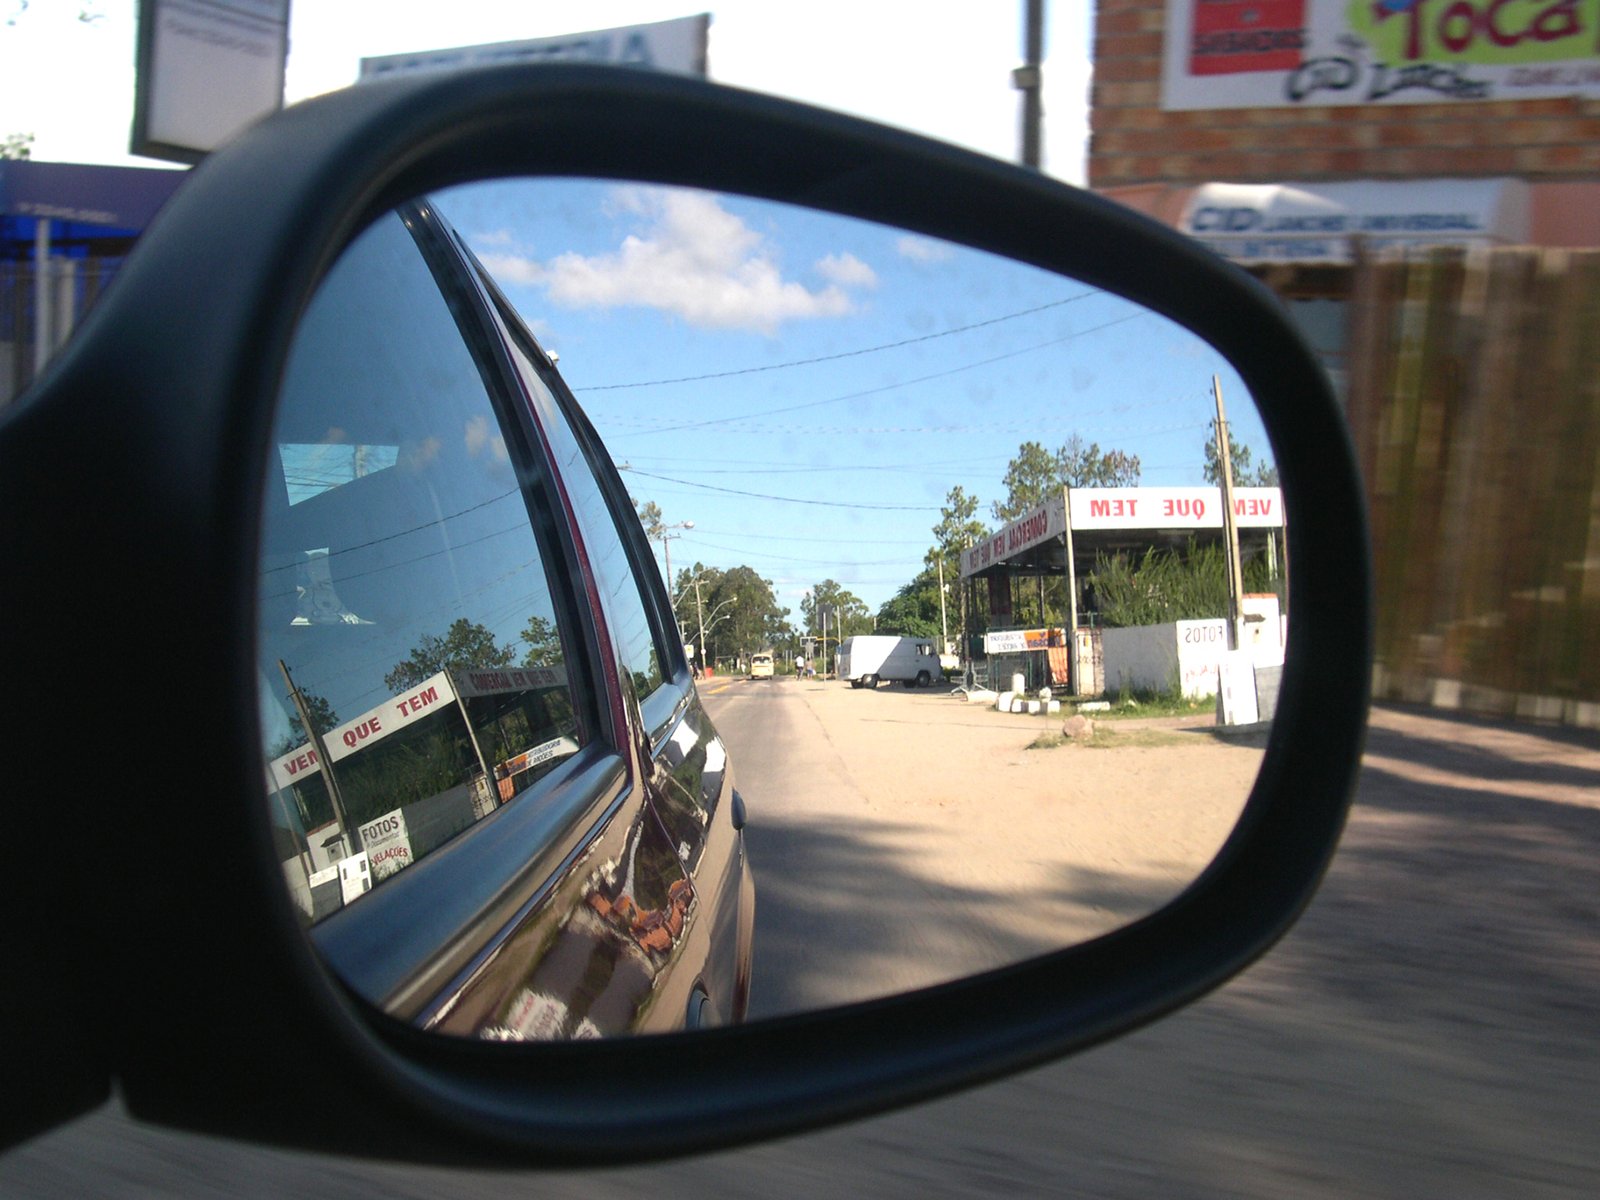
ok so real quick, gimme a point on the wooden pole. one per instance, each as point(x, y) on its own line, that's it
point(1230, 530)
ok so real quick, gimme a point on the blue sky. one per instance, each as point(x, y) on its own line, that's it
point(864, 464)
point(807, 389)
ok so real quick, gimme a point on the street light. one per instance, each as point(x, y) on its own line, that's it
point(701, 611)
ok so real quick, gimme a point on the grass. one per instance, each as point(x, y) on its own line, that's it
point(1111, 739)
point(1143, 703)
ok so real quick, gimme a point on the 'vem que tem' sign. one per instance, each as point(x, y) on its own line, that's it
point(1165, 508)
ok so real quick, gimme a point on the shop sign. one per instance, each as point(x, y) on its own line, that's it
point(1019, 641)
point(1048, 520)
point(509, 679)
point(387, 844)
point(1173, 508)
point(1322, 222)
point(1298, 53)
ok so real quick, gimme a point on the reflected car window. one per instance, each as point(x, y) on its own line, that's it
point(629, 621)
point(415, 676)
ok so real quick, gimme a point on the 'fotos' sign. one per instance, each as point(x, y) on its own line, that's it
point(1294, 53)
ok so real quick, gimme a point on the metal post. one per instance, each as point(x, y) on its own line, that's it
point(43, 310)
point(1029, 80)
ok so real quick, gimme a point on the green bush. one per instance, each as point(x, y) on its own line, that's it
point(1164, 585)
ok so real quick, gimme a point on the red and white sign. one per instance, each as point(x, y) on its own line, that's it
point(1165, 508)
point(1173, 508)
point(1047, 521)
point(393, 715)
point(371, 726)
point(387, 844)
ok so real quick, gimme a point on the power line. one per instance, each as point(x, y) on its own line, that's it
point(707, 487)
point(806, 362)
point(890, 387)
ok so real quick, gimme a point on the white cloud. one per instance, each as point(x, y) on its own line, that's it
point(694, 259)
point(921, 249)
point(847, 270)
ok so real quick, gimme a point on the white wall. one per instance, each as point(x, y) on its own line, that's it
point(1150, 657)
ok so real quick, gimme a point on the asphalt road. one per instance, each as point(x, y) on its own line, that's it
point(1431, 1028)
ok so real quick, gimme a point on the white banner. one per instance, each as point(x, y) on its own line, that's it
point(1310, 53)
point(1173, 508)
point(677, 46)
point(1047, 521)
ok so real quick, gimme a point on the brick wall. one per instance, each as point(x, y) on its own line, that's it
point(1133, 141)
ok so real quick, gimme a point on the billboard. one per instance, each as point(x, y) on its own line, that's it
point(1298, 53)
point(677, 46)
point(206, 69)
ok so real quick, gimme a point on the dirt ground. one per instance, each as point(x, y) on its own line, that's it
point(1043, 847)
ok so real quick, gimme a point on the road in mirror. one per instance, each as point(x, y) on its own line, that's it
point(948, 549)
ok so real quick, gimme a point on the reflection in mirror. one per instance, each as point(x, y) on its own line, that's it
point(949, 555)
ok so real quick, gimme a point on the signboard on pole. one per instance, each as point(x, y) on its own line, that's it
point(206, 69)
point(677, 46)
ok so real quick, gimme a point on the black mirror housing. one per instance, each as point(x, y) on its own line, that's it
point(131, 477)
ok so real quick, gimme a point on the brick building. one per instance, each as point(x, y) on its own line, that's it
point(1292, 136)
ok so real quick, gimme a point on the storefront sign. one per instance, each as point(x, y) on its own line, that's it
point(1173, 508)
point(1295, 53)
point(1047, 521)
point(1322, 222)
point(1018, 641)
point(510, 679)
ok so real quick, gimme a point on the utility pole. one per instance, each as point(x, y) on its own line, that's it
point(1230, 530)
point(347, 831)
point(700, 616)
point(1029, 80)
point(944, 628)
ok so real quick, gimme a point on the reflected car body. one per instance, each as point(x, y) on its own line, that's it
point(528, 829)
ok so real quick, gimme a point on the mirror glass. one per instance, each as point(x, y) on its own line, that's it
point(958, 612)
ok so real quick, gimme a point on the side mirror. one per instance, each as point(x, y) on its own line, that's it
point(153, 942)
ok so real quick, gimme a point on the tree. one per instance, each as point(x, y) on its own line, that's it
point(1029, 478)
point(1078, 465)
point(16, 146)
point(650, 517)
point(913, 611)
point(846, 613)
point(322, 716)
point(543, 643)
point(1035, 475)
point(747, 616)
point(1263, 474)
point(958, 528)
point(465, 646)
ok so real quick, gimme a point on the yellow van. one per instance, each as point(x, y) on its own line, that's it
point(761, 666)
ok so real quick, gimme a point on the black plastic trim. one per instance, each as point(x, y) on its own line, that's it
point(164, 405)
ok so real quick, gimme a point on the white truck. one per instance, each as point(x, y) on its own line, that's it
point(865, 659)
